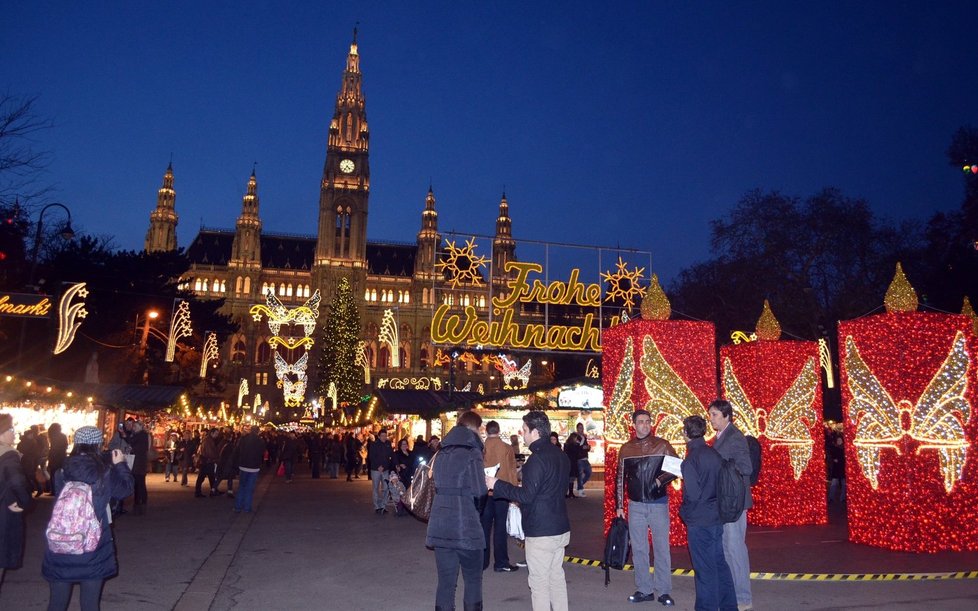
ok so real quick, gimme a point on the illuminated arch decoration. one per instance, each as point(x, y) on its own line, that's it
point(461, 264)
point(208, 354)
point(389, 336)
point(179, 327)
point(908, 393)
point(667, 367)
point(776, 393)
point(70, 313)
point(292, 377)
point(623, 284)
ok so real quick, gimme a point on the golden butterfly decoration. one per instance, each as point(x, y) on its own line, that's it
point(620, 407)
point(937, 420)
point(785, 425)
point(668, 395)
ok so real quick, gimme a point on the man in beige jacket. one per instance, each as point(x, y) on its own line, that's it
point(498, 452)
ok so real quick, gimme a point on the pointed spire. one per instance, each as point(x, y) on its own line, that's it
point(768, 327)
point(655, 304)
point(163, 220)
point(968, 311)
point(900, 296)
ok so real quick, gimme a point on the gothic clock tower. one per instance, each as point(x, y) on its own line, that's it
point(341, 247)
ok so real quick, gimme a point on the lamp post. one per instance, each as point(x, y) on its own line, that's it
point(150, 315)
point(67, 233)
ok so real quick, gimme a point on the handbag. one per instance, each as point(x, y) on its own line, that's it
point(281, 470)
point(421, 494)
point(514, 522)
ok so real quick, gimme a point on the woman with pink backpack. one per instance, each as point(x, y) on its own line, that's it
point(79, 536)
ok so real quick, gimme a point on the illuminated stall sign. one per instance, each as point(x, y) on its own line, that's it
point(583, 397)
point(24, 305)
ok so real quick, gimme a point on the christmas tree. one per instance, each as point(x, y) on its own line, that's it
point(340, 338)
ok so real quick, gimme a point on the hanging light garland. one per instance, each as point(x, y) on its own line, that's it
point(179, 327)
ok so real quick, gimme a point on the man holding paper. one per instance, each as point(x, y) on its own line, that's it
point(500, 462)
point(640, 469)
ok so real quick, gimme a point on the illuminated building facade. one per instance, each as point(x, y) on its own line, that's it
point(240, 265)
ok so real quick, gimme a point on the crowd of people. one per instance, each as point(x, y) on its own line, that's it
point(478, 482)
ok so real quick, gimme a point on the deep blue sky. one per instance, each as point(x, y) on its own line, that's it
point(631, 124)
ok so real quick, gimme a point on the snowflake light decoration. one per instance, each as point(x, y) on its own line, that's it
point(623, 283)
point(462, 264)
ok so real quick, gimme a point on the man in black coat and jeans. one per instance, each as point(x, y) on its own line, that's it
point(543, 504)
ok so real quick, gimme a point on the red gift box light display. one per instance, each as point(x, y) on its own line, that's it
point(908, 384)
point(775, 389)
point(667, 367)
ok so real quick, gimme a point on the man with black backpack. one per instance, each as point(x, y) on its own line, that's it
point(732, 445)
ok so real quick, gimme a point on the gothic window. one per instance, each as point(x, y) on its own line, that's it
point(366, 295)
point(370, 355)
point(281, 289)
point(407, 296)
point(264, 352)
point(197, 285)
point(423, 356)
point(247, 284)
point(482, 301)
point(239, 350)
point(305, 291)
point(349, 127)
point(237, 286)
point(216, 286)
point(405, 353)
point(224, 287)
point(384, 357)
point(373, 295)
point(288, 290)
point(264, 288)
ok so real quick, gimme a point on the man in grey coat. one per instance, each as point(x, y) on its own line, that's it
point(732, 445)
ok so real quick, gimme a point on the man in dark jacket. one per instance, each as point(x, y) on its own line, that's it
point(545, 523)
point(732, 445)
point(454, 529)
point(700, 512)
point(248, 455)
point(139, 441)
point(379, 457)
point(640, 471)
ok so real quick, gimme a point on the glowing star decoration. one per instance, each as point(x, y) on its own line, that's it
point(655, 303)
point(208, 354)
point(620, 407)
point(790, 420)
point(292, 379)
point(900, 296)
point(179, 327)
point(361, 360)
point(242, 391)
point(70, 314)
point(510, 372)
point(462, 265)
point(623, 284)
point(389, 336)
point(591, 370)
point(937, 420)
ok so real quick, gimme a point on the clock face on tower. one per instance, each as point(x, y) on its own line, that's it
point(346, 166)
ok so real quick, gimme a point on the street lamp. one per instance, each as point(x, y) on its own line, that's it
point(66, 232)
point(150, 315)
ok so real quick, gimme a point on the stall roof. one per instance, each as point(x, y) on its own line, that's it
point(424, 403)
point(134, 396)
point(506, 394)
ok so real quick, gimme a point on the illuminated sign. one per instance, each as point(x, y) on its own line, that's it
point(470, 330)
point(24, 305)
point(584, 397)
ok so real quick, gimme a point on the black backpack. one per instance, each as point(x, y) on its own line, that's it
point(730, 492)
point(755, 458)
point(616, 548)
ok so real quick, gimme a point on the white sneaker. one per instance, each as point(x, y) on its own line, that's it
point(581, 493)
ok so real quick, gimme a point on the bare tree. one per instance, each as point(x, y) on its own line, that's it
point(21, 164)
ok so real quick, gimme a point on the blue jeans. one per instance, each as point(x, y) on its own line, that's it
point(714, 585)
point(583, 472)
point(643, 517)
point(379, 482)
point(246, 490)
point(169, 469)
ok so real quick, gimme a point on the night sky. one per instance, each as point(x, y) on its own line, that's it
point(630, 125)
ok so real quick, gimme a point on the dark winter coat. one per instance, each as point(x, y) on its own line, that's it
point(460, 486)
point(401, 465)
point(542, 495)
point(58, 451)
point(109, 483)
point(13, 489)
point(701, 470)
point(379, 454)
point(290, 450)
point(140, 449)
point(225, 464)
point(249, 452)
